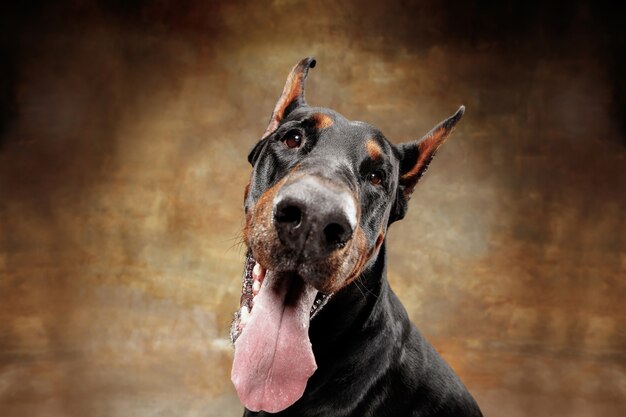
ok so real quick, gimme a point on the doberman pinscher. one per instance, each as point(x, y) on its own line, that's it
point(319, 331)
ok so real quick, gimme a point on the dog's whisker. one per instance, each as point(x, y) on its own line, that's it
point(240, 242)
point(356, 283)
point(370, 292)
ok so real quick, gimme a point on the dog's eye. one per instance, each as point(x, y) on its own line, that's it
point(375, 178)
point(293, 139)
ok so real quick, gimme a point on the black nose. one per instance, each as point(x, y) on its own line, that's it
point(313, 217)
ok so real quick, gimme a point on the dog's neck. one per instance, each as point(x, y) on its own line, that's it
point(360, 305)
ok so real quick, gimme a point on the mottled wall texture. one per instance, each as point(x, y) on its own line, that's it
point(125, 127)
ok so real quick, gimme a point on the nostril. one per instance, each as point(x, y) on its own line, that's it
point(288, 214)
point(336, 234)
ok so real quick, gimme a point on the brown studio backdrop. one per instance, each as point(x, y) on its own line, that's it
point(125, 130)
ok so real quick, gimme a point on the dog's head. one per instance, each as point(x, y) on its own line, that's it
point(324, 189)
point(322, 194)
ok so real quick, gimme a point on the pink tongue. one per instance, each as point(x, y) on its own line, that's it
point(273, 355)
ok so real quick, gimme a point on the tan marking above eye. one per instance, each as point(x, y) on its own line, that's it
point(322, 121)
point(373, 149)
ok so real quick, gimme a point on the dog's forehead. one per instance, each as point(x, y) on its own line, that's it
point(338, 132)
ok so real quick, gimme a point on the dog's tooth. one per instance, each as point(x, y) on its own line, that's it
point(257, 270)
point(256, 287)
point(244, 315)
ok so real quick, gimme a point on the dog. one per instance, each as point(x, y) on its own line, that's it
point(319, 331)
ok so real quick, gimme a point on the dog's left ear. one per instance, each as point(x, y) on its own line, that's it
point(293, 94)
point(415, 156)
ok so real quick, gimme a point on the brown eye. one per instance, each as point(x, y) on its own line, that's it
point(376, 178)
point(293, 139)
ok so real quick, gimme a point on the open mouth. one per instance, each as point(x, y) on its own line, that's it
point(253, 277)
point(273, 355)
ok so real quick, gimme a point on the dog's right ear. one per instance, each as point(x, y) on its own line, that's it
point(292, 96)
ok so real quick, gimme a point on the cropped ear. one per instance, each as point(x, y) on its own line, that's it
point(415, 156)
point(293, 94)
